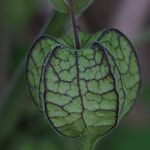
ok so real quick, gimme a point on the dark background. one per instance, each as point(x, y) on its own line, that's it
point(21, 125)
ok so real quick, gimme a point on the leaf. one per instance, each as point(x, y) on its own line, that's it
point(36, 59)
point(125, 67)
point(38, 51)
point(63, 5)
point(84, 93)
point(86, 40)
point(80, 95)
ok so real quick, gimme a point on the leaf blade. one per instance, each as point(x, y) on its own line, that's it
point(73, 119)
point(36, 56)
point(124, 59)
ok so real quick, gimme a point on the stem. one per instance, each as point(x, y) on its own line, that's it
point(85, 145)
point(74, 24)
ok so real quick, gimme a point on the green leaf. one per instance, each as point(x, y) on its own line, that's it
point(125, 67)
point(86, 40)
point(63, 5)
point(84, 93)
point(79, 93)
point(38, 51)
point(80, 96)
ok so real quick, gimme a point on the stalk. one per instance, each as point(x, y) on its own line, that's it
point(74, 24)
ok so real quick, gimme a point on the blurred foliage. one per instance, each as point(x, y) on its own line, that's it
point(21, 125)
point(63, 5)
point(17, 13)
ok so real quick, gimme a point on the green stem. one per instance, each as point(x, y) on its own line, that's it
point(74, 24)
point(85, 144)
